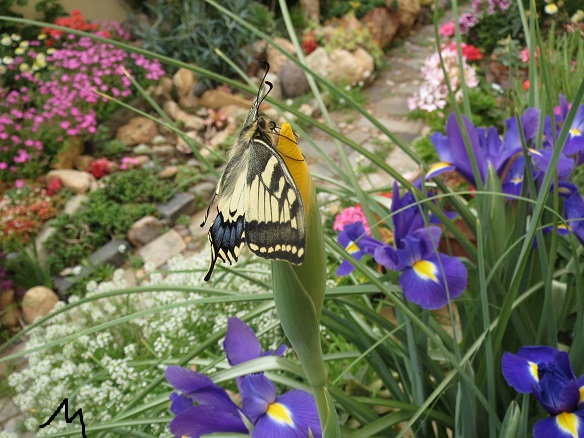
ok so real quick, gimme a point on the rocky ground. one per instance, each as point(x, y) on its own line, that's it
point(387, 102)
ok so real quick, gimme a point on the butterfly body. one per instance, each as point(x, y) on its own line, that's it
point(258, 201)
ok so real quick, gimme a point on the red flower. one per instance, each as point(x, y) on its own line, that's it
point(100, 168)
point(471, 53)
point(526, 84)
point(309, 43)
point(54, 186)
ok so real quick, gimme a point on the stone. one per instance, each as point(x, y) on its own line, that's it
point(168, 172)
point(62, 285)
point(203, 191)
point(408, 11)
point(277, 59)
point(183, 147)
point(276, 92)
point(318, 61)
point(159, 139)
point(144, 231)
point(189, 121)
point(217, 99)
point(161, 249)
point(141, 160)
point(83, 162)
point(163, 150)
point(76, 180)
point(218, 139)
point(163, 89)
point(75, 204)
point(293, 80)
point(183, 80)
point(10, 315)
point(350, 68)
point(8, 409)
point(311, 10)
point(137, 130)
point(39, 242)
point(38, 301)
point(198, 232)
point(179, 204)
point(382, 24)
point(142, 149)
point(67, 155)
point(115, 253)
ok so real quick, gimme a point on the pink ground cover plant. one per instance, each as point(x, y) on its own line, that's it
point(46, 109)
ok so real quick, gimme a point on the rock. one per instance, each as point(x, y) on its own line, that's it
point(183, 147)
point(75, 204)
point(277, 59)
point(163, 91)
point(83, 162)
point(198, 232)
point(276, 92)
point(179, 204)
point(293, 80)
point(189, 121)
point(306, 109)
point(115, 253)
point(142, 159)
point(159, 139)
point(318, 61)
point(137, 130)
point(162, 248)
point(144, 231)
point(66, 157)
point(217, 99)
point(168, 172)
point(350, 68)
point(38, 301)
point(39, 242)
point(143, 149)
point(203, 191)
point(382, 24)
point(218, 139)
point(77, 181)
point(8, 409)
point(311, 10)
point(183, 81)
point(407, 11)
point(163, 150)
point(10, 315)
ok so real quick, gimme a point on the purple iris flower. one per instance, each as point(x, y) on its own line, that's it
point(357, 243)
point(546, 373)
point(202, 407)
point(428, 278)
point(487, 147)
point(574, 212)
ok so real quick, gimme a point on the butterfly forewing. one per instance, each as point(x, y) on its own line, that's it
point(275, 225)
point(257, 200)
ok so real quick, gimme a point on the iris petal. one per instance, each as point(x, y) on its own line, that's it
point(429, 294)
point(179, 403)
point(300, 409)
point(199, 387)
point(565, 425)
point(241, 343)
point(439, 168)
point(257, 393)
point(519, 372)
point(204, 420)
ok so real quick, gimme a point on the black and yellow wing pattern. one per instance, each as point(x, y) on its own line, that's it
point(257, 199)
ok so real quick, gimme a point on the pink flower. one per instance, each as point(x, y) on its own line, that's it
point(447, 29)
point(350, 215)
point(19, 184)
point(524, 55)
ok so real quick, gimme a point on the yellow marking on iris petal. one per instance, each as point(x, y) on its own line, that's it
point(568, 423)
point(292, 156)
point(517, 180)
point(425, 270)
point(575, 132)
point(280, 413)
point(534, 371)
point(564, 190)
point(352, 247)
point(535, 151)
point(581, 395)
point(564, 227)
point(438, 166)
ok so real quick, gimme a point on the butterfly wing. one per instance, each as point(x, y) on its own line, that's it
point(275, 225)
point(226, 235)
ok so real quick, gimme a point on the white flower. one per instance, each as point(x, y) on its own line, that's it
point(122, 248)
point(551, 9)
point(76, 270)
point(7, 60)
point(6, 40)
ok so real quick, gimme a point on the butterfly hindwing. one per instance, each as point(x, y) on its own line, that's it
point(275, 226)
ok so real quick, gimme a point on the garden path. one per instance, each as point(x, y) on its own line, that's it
point(387, 102)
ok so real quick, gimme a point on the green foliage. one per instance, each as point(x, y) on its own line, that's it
point(191, 30)
point(493, 27)
point(338, 8)
point(48, 9)
point(136, 186)
point(425, 148)
point(338, 103)
point(27, 269)
point(103, 145)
